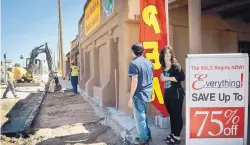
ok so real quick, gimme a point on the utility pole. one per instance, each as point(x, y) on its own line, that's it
point(4, 56)
point(5, 65)
point(54, 59)
point(61, 40)
point(21, 57)
point(58, 49)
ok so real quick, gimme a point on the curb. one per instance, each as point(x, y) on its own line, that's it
point(28, 122)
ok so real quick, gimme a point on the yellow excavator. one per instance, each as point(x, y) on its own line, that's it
point(21, 76)
point(26, 75)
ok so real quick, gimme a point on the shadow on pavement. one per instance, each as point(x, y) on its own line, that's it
point(18, 115)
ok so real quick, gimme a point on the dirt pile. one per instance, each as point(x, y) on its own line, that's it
point(65, 119)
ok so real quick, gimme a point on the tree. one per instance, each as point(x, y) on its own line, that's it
point(17, 65)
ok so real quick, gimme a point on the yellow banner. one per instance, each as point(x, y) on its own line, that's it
point(92, 16)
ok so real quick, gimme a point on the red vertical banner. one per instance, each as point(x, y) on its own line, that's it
point(153, 36)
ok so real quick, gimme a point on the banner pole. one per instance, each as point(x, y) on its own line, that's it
point(167, 21)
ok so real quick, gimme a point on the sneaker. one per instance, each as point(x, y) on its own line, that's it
point(138, 141)
point(17, 97)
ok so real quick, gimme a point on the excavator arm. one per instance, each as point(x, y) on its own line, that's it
point(35, 52)
point(52, 74)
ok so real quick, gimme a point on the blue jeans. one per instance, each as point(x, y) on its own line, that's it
point(141, 121)
point(74, 82)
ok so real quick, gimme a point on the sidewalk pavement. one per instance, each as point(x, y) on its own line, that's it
point(66, 84)
point(125, 125)
point(22, 92)
point(63, 118)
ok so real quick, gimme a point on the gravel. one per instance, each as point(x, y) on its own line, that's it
point(65, 119)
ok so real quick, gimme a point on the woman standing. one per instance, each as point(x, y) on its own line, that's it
point(172, 76)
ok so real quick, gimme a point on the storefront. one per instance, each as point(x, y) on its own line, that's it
point(109, 28)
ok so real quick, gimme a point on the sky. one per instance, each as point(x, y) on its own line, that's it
point(26, 24)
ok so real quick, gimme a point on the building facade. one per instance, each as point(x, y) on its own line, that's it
point(72, 55)
point(74, 47)
point(108, 29)
point(67, 68)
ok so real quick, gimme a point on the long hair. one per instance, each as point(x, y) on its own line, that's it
point(162, 57)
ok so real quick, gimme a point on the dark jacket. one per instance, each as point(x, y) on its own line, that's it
point(174, 90)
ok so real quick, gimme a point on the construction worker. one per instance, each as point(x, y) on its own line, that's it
point(74, 71)
point(10, 85)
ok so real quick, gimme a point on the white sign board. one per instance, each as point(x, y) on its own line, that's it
point(217, 99)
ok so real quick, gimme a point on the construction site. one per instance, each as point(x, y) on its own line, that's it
point(51, 118)
point(39, 108)
point(44, 108)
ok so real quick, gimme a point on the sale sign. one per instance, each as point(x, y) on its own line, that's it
point(217, 99)
point(153, 36)
point(228, 122)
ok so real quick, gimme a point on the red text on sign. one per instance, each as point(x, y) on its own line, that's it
point(216, 122)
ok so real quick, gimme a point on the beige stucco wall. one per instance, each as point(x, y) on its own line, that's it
point(100, 82)
point(218, 36)
point(74, 43)
point(74, 49)
point(120, 30)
